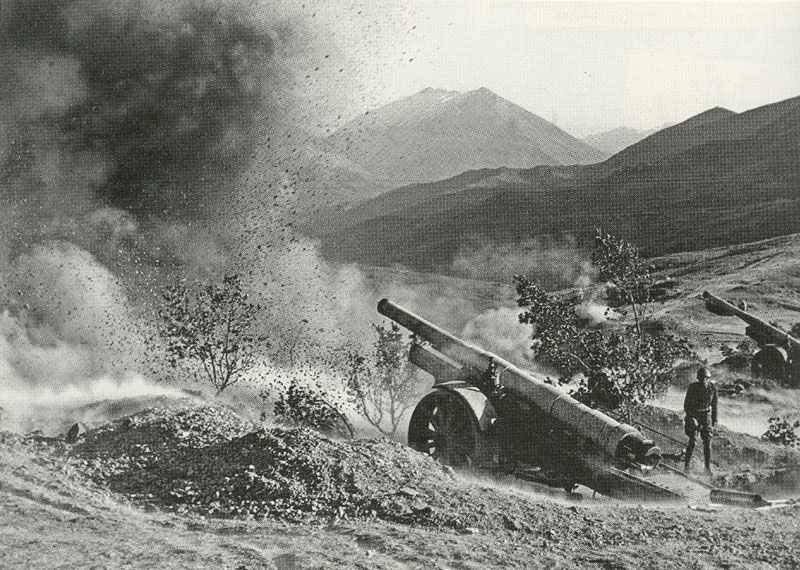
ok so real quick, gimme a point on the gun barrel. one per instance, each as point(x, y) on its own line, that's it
point(717, 304)
point(446, 343)
point(617, 439)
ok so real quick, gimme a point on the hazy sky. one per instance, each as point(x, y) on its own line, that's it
point(594, 66)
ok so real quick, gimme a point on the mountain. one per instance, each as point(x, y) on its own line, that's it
point(669, 142)
point(436, 134)
point(613, 141)
point(718, 178)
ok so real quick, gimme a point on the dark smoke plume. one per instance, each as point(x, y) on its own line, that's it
point(123, 126)
point(168, 92)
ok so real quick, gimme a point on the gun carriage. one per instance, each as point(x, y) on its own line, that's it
point(484, 412)
point(779, 352)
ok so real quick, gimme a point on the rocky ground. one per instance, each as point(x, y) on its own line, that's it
point(197, 486)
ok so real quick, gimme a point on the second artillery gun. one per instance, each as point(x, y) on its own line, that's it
point(484, 412)
point(778, 356)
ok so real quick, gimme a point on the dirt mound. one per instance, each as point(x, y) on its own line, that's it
point(210, 461)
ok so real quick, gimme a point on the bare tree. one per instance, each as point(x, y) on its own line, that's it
point(384, 386)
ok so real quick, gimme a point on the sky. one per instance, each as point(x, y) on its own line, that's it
point(588, 67)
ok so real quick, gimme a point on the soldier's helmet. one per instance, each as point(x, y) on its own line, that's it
point(703, 373)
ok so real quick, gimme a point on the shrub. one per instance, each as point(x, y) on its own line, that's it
point(782, 431)
point(211, 325)
point(739, 357)
point(308, 407)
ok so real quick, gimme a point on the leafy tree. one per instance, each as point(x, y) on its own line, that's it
point(782, 431)
point(383, 387)
point(618, 262)
point(620, 369)
point(211, 325)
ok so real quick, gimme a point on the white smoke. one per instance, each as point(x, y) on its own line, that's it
point(499, 331)
point(67, 337)
point(595, 314)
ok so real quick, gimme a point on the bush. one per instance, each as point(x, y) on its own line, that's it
point(628, 275)
point(782, 432)
point(302, 406)
point(739, 357)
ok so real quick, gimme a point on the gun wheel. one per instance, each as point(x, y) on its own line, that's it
point(444, 427)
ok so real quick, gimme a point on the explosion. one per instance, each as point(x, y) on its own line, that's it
point(134, 151)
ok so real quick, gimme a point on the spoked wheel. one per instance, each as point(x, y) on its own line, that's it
point(444, 427)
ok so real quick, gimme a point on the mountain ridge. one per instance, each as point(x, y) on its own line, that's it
point(435, 134)
point(717, 178)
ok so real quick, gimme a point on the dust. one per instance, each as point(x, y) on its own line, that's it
point(555, 263)
point(747, 413)
point(51, 410)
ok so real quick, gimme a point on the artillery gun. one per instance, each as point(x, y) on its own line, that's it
point(778, 356)
point(484, 412)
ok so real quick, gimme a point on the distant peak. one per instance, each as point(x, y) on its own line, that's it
point(713, 113)
point(434, 91)
point(718, 110)
point(706, 117)
point(483, 92)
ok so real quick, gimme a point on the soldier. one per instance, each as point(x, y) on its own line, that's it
point(700, 406)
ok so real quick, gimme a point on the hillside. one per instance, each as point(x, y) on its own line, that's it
point(718, 178)
point(673, 140)
point(436, 134)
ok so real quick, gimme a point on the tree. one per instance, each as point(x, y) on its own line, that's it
point(620, 369)
point(618, 262)
point(211, 324)
point(384, 387)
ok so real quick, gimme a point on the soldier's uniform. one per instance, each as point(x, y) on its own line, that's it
point(700, 406)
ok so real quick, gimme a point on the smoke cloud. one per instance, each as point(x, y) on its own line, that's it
point(500, 331)
point(124, 128)
point(158, 97)
point(65, 315)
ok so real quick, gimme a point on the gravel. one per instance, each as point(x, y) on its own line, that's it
point(210, 461)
